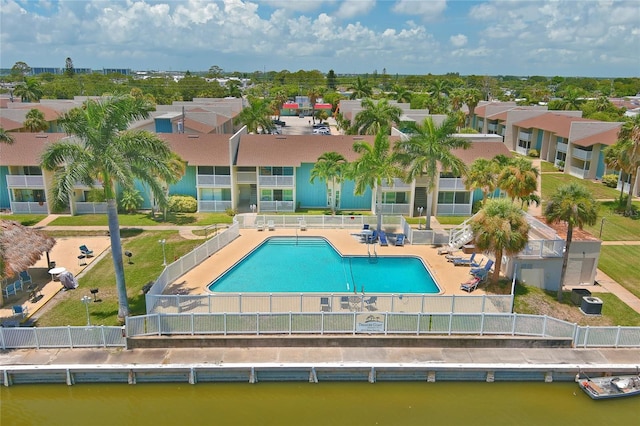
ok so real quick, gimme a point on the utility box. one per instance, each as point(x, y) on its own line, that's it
point(591, 305)
point(577, 294)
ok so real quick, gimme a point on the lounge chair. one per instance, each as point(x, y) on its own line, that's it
point(12, 288)
point(466, 262)
point(19, 311)
point(260, 225)
point(471, 284)
point(400, 240)
point(383, 239)
point(325, 306)
point(86, 251)
point(271, 226)
point(483, 271)
point(25, 277)
point(370, 303)
point(344, 302)
point(302, 224)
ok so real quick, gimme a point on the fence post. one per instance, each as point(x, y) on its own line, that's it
point(422, 304)
point(2, 338)
point(68, 335)
point(514, 317)
point(104, 338)
point(418, 325)
point(290, 322)
point(450, 322)
point(576, 331)
point(484, 299)
point(224, 321)
point(386, 323)
point(453, 303)
point(617, 337)
point(544, 326)
point(192, 323)
point(322, 323)
point(586, 336)
point(482, 319)
point(257, 323)
point(159, 325)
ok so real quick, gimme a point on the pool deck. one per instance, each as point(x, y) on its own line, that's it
point(345, 241)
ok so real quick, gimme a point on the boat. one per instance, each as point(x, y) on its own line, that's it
point(610, 386)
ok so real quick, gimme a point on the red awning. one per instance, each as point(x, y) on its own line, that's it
point(290, 106)
point(323, 106)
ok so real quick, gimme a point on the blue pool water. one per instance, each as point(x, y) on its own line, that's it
point(308, 264)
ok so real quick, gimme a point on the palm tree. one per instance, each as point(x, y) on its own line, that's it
point(472, 97)
point(575, 205)
point(375, 166)
point(29, 91)
point(6, 137)
point(376, 115)
point(102, 149)
point(330, 167)
point(256, 116)
point(401, 93)
point(279, 98)
point(428, 152)
point(483, 175)
point(616, 159)
point(35, 122)
point(360, 89)
point(571, 99)
point(519, 179)
point(629, 138)
point(314, 93)
point(500, 227)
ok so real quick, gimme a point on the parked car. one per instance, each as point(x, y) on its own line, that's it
point(279, 123)
point(322, 131)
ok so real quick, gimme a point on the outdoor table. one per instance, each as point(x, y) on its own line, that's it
point(56, 271)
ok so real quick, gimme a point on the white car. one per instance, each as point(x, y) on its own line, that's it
point(322, 131)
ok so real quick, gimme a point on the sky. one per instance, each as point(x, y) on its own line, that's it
point(503, 37)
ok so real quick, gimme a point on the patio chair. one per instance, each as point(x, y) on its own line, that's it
point(25, 277)
point(260, 225)
point(471, 284)
point(271, 225)
point(344, 302)
point(302, 224)
point(20, 311)
point(12, 288)
point(370, 303)
point(466, 262)
point(383, 239)
point(483, 271)
point(325, 306)
point(400, 240)
point(86, 251)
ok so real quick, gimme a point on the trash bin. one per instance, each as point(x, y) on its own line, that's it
point(591, 305)
point(577, 294)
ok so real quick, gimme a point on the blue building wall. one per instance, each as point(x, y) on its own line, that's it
point(163, 125)
point(310, 194)
point(4, 191)
point(600, 167)
point(354, 202)
point(187, 185)
point(539, 141)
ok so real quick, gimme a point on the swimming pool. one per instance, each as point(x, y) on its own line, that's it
point(312, 264)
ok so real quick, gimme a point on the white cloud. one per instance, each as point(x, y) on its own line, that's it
point(353, 8)
point(458, 40)
point(428, 10)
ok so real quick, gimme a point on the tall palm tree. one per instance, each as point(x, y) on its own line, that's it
point(360, 89)
point(428, 152)
point(376, 115)
point(575, 205)
point(256, 116)
point(279, 98)
point(629, 135)
point(500, 227)
point(104, 150)
point(314, 93)
point(401, 93)
point(482, 175)
point(375, 166)
point(572, 98)
point(35, 122)
point(472, 97)
point(6, 137)
point(29, 91)
point(330, 167)
point(615, 158)
point(519, 179)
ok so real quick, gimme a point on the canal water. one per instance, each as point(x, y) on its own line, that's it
point(407, 403)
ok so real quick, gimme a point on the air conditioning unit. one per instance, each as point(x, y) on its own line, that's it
point(591, 305)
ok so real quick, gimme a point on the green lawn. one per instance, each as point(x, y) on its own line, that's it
point(551, 182)
point(547, 167)
point(24, 219)
point(621, 264)
point(615, 227)
point(147, 266)
point(145, 219)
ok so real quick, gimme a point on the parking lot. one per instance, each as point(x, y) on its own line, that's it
point(304, 126)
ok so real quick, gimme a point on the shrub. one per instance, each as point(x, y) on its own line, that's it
point(183, 204)
point(231, 212)
point(130, 201)
point(610, 180)
point(560, 165)
point(534, 153)
point(96, 196)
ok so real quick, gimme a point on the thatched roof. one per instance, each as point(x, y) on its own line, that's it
point(21, 247)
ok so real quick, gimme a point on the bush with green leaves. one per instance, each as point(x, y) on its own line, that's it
point(130, 201)
point(610, 180)
point(95, 196)
point(534, 153)
point(183, 204)
point(231, 212)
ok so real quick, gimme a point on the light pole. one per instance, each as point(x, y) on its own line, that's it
point(86, 300)
point(601, 225)
point(420, 209)
point(164, 256)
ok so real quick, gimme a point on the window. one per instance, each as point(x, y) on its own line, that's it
point(449, 197)
point(276, 195)
point(32, 170)
point(276, 171)
point(395, 198)
point(205, 170)
point(215, 194)
point(222, 170)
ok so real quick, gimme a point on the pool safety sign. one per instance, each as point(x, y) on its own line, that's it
point(369, 323)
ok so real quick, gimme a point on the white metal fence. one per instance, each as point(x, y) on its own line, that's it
point(384, 323)
point(61, 337)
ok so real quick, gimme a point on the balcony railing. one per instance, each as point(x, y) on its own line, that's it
point(581, 154)
point(454, 209)
point(214, 180)
point(247, 177)
point(83, 207)
point(213, 206)
point(402, 209)
point(561, 146)
point(522, 150)
point(524, 136)
point(578, 172)
point(397, 184)
point(276, 181)
point(543, 248)
point(25, 181)
point(276, 206)
point(451, 184)
point(28, 207)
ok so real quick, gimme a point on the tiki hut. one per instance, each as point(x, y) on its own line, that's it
point(20, 247)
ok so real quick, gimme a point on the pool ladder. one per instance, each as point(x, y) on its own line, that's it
point(373, 257)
